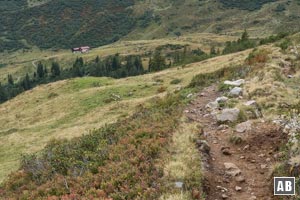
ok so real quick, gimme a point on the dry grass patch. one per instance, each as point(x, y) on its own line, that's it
point(183, 164)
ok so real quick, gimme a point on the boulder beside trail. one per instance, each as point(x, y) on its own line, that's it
point(235, 92)
point(228, 115)
point(235, 83)
point(222, 99)
point(212, 105)
point(256, 112)
point(232, 170)
point(243, 127)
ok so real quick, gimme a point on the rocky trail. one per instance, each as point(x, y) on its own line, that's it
point(236, 166)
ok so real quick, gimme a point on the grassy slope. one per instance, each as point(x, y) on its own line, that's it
point(75, 106)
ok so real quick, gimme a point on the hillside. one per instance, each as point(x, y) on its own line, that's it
point(65, 24)
point(85, 106)
point(166, 140)
point(176, 99)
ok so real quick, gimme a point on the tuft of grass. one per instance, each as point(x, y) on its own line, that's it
point(234, 139)
point(175, 81)
point(161, 89)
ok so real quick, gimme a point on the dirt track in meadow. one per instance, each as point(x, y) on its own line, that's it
point(254, 156)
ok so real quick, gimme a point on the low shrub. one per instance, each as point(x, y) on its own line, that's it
point(235, 139)
point(175, 81)
point(119, 161)
point(285, 44)
point(257, 56)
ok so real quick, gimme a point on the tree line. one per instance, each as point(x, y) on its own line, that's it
point(117, 66)
point(112, 66)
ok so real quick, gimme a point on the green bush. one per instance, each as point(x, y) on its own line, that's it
point(175, 81)
point(285, 44)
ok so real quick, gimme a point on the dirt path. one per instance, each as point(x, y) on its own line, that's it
point(254, 156)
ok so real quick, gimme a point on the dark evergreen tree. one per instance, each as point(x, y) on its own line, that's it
point(138, 65)
point(213, 51)
point(26, 82)
point(245, 36)
point(40, 70)
point(3, 96)
point(157, 62)
point(10, 79)
point(78, 67)
point(97, 59)
point(55, 70)
point(116, 64)
point(45, 71)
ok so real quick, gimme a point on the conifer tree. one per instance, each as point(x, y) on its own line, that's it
point(213, 51)
point(26, 82)
point(55, 69)
point(245, 36)
point(10, 79)
point(3, 96)
point(40, 70)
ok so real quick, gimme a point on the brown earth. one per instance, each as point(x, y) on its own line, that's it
point(254, 156)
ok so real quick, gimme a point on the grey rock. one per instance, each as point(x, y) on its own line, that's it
point(250, 103)
point(238, 188)
point(178, 184)
point(235, 83)
point(231, 169)
point(189, 95)
point(252, 198)
point(212, 105)
point(224, 196)
point(228, 115)
point(223, 127)
point(240, 179)
point(243, 127)
point(235, 92)
point(263, 166)
point(222, 188)
point(226, 151)
point(222, 99)
point(247, 147)
point(257, 113)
